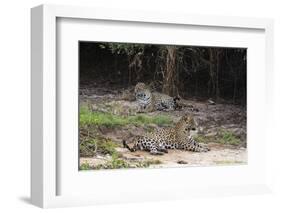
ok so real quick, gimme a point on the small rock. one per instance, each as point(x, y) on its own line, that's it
point(121, 150)
point(211, 102)
point(100, 157)
point(108, 156)
point(211, 134)
point(133, 158)
point(182, 162)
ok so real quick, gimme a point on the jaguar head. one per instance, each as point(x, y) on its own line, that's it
point(187, 125)
point(139, 87)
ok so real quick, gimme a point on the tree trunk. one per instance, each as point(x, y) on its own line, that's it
point(234, 89)
point(211, 83)
point(218, 60)
point(130, 71)
point(170, 79)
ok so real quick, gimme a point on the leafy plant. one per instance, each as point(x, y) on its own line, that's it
point(85, 166)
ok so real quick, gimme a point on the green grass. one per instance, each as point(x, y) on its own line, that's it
point(99, 145)
point(147, 163)
point(222, 137)
point(85, 166)
point(87, 148)
point(203, 138)
point(110, 120)
point(114, 163)
point(227, 137)
point(106, 146)
point(118, 163)
point(228, 162)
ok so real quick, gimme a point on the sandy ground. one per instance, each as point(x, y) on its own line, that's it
point(219, 155)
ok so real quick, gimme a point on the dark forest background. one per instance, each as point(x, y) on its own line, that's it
point(188, 71)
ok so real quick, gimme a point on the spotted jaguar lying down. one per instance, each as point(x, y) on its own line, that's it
point(179, 137)
point(152, 101)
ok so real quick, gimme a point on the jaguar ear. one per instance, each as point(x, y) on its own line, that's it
point(187, 117)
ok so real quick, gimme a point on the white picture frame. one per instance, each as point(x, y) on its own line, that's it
point(45, 166)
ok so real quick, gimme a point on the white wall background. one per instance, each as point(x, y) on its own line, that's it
point(15, 103)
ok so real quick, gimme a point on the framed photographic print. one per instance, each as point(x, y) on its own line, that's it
point(151, 106)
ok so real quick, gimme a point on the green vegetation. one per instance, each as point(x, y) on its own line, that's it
point(87, 148)
point(227, 162)
point(92, 142)
point(147, 163)
point(222, 137)
point(204, 139)
point(227, 137)
point(110, 120)
point(97, 145)
point(118, 163)
point(106, 146)
point(85, 166)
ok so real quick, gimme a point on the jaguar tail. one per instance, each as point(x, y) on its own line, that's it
point(176, 104)
point(125, 145)
point(195, 146)
point(176, 98)
point(199, 148)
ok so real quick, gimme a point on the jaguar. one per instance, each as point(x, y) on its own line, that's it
point(149, 101)
point(179, 137)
